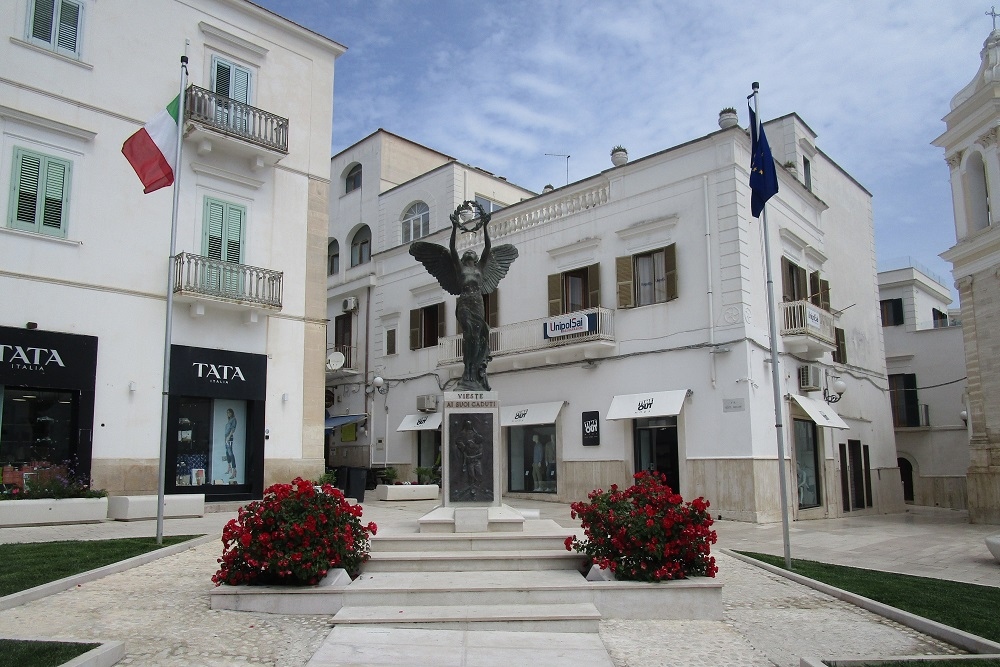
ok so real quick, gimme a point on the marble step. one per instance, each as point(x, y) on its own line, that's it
point(469, 588)
point(577, 617)
point(465, 561)
point(432, 542)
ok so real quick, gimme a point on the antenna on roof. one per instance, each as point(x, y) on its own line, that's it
point(567, 163)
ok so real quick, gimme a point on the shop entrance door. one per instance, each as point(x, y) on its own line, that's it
point(656, 448)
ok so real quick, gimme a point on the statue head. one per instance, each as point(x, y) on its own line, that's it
point(469, 257)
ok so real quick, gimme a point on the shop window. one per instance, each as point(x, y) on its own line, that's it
point(353, 180)
point(36, 427)
point(855, 475)
point(210, 442)
point(55, 25)
point(427, 325)
point(904, 400)
point(647, 278)
point(361, 247)
point(333, 258)
point(429, 452)
point(807, 464)
point(39, 199)
point(891, 311)
point(531, 452)
point(657, 448)
point(416, 222)
point(575, 290)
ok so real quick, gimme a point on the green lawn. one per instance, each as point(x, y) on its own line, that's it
point(15, 653)
point(967, 607)
point(32, 564)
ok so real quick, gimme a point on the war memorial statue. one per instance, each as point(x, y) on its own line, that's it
point(469, 278)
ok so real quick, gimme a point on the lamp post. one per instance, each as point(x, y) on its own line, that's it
point(839, 387)
point(381, 386)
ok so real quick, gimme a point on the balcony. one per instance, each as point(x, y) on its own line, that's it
point(349, 365)
point(239, 286)
point(806, 329)
point(533, 343)
point(216, 121)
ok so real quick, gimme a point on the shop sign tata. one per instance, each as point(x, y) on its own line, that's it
point(571, 323)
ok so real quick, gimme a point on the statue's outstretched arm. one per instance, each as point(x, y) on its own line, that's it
point(486, 247)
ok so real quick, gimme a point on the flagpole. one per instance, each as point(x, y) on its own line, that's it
point(168, 329)
point(775, 371)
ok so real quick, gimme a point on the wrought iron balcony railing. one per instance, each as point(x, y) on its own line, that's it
point(228, 281)
point(236, 119)
point(804, 318)
point(350, 353)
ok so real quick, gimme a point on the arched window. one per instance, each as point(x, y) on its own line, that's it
point(353, 180)
point(361, 247)
point(333, 258)
point(976, 192)
point(416, 222)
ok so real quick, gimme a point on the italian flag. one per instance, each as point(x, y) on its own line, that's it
point(151, 151)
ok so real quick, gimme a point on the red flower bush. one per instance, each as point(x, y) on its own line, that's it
point(293, 536)
point(646, 532)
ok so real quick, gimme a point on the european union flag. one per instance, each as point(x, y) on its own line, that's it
point(763, 177)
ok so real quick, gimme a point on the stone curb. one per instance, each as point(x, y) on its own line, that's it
point(953, 636)
point(59, 585)
point(871, 662)
point(105, 655)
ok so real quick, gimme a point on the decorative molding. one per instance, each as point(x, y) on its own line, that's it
point(988, 138)
point(576, 254)
point(965, 281)
point(955, 159)
point(245, 48)
point(47, 124)
point(649, 234)
point(51, 53)
point(816, 255)
point(426, 289)
point(207, 170)
point(807, 147)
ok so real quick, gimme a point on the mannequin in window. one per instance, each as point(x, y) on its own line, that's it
point(550, 463)
point(537, 462)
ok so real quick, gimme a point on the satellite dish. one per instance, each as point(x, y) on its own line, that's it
point(335, 361)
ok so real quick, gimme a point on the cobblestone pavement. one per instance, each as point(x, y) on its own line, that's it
point(161, 610)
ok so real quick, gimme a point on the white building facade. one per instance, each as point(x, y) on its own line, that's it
point(632, 331)
point(925, 360)
point(85, 263)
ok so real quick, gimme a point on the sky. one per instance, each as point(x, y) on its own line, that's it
point(499, 84)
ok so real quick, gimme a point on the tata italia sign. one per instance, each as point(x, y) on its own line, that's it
point(572, 323)
point(39, 358)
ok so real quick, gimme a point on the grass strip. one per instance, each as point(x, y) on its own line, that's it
point(18, 653)
point(967, 607)
point(26, 565)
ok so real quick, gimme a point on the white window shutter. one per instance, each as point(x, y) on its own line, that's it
point(69, 27)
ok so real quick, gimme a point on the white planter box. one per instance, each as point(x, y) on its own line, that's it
point(407, 491)
point(50, 510)
point(130, 508)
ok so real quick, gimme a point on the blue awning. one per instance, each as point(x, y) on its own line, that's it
point(340, 420)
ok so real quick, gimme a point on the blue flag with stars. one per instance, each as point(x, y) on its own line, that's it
point(763, 177)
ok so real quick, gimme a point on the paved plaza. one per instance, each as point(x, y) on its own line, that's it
point(161, 610)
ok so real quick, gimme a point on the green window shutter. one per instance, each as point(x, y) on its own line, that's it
point(670, 270)
point(624, 277)
point(824, 295)
point(415, 329)
point(69, 27)
point(240, 84)
point(42, 20)
point(39, 193)
point(555, 294)
point(215, 222)
point(223, 75)
point(814, 288)
point(234, 234)
point(594, 285)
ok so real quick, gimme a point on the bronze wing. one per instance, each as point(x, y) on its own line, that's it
point(437, 260)
point(497, 264)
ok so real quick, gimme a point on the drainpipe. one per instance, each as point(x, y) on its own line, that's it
point(368, 328)
point(708, 271)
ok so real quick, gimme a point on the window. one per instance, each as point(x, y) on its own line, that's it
point(840, 354)
point(807, 464)
point(819, 291)
point(807, 174)
point(390, 341)
point(489, 206)
point(39, 196)
point(231, 81)
point(891, 311)
point(855, 475)
point(426, 326)
point(361, 247)
point(647, 278)
point(333, 258)
point(574, 290)
point(55, 24)
point(222, 240)
point(353, 180)
point(342, 326)
point(793, 281)
point(940, 318)
point(531, 455)
point(416, 222)
point(903, 399)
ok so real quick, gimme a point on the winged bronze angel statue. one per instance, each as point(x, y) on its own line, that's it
point(469, 278)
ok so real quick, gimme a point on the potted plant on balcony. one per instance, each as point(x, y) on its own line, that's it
point(728, 118)
point(619, 156)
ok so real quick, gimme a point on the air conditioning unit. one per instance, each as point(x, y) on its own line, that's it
point(427, 403)
point(350, 304)
point(810, 377)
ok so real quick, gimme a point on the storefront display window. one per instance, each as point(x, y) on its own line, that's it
point(36, 426)
point(211, 442)
point(807, 463)
point(532, 458)
point(656, 448)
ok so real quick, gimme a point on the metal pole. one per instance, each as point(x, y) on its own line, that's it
point(167, 334)
point(775, 371)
